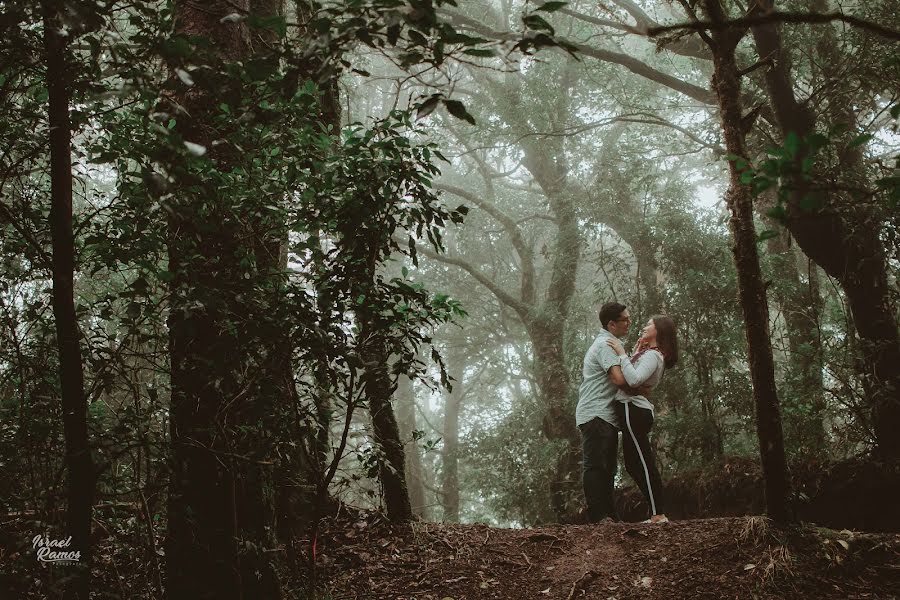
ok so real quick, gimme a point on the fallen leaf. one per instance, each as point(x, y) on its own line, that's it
point(844, 544)
point(547, 591)
point(749, 566)
point(646, 581)
point(195, 149)
point(185, 77)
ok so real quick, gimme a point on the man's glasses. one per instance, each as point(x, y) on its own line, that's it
point(625, 320)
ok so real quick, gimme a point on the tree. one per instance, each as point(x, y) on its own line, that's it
point(221, 512)
point(751, 290)
point(836, 232)
point(79, 464)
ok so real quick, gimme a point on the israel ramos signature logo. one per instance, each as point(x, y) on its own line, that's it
point(55, 551)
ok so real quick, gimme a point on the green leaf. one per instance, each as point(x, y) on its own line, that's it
point(393, 34)
point(275, 23)
point(458, 110)
point(427, 107)
point(770, 168)
point(537, 22)
point(791, 144)
point(551, 6)
point(777, 212)
point(133, 310)
point(861, 140)
point(761, 184)
point(766, 235)
point(484, 52)
point(815, 141)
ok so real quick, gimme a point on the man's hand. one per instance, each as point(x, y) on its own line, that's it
point(616, 345)
point(643, 390)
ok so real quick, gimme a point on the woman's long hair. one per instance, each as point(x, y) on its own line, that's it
point(666, 339)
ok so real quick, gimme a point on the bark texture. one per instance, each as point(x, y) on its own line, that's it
point(751, 290)
point(406, 420)
point(391, 468)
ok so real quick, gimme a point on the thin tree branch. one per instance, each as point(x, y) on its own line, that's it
point(780, 17)
point(7, 216)
point(603, 22)
point(522, 309)
point(632, 64)
point(525, 252)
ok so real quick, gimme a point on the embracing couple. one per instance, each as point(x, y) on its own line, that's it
point(614, 397)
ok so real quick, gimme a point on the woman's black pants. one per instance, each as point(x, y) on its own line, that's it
point(639, 459)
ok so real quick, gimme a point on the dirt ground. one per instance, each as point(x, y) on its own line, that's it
point(739, 557)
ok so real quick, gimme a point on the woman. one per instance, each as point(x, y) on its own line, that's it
point(656, 351)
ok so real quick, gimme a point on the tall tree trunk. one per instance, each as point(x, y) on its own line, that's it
point(79, 464)
point(380, 384)
point(221, 497)
point(456, 363)
point(380, 387)
point(842, 241)
point(546, 324)
point(751, 291)
point(406, 419)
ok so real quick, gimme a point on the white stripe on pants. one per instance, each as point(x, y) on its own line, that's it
point(643, 462)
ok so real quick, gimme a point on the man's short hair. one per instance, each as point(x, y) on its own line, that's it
point(611, 311)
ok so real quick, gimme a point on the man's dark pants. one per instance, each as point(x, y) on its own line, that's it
point(599, 443)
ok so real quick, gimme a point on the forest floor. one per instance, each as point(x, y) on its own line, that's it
point(735, 557)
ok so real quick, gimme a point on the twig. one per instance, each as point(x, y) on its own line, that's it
point(579, 580)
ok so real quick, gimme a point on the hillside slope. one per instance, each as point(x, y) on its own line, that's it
point(741, 557)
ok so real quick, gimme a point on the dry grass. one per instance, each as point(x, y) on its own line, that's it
point(756, 529)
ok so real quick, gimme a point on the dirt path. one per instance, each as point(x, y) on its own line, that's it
point(714, 558)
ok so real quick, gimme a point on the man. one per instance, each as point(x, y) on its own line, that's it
point(595, 416)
